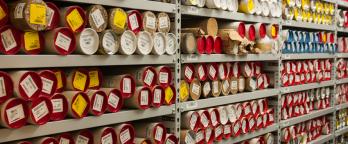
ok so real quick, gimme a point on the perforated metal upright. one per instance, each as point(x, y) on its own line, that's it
point(177, 111)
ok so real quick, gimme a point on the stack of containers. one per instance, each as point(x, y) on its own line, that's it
point(302, 103)
point(308, 42)
point(215, 79)
point(341, 68)
point(342, 18)
point(341, 94)
point(341, 119)
point(305, 71)
point(342, 44)
point(318, 11)
point(306, 131)
point(223, 122)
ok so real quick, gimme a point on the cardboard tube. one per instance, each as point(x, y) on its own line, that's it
point(184, 91)
point(189, 2)
point(201, 41)
point(206, 89)
point(155, 132)
point(204, 118)
point(125, 133)
point(77, 79)
point(27, 84)
point(209, 26)
point(73, 17)
point(216, 88)
point(217, 45)
point(171, 139)
point(201, 71)
point(141, 99)
point(251, 32)
point(11, 40)
point(213, 71)
point(164, 74)
point(188, 72)
point(160, 43)
point(241, 84)
point(209, 44)
point(229, 46)
point(149, 22)
point(170, 95)
point(99, 102)
point(52, 16)
point(22, 17)
point(60, 41)
point(195, 89)
point(213, 4)
point(61, 80)
point(21, 113)
point(219, 133)
point(114, 99)
point(187, 137)
point(158, 96)
point(45, 140)
point(117, 20)
point(234, 85)
point(40, 111)
point(134, 19)
point(109, 42)
point(209, 134)
point(125, 83)
point(84, 136)
point(49, 82)
point(95, 78)
point(191, 120)
point(246, 6)
point(79, 103)
point(214, 116)
point(6, 86)
point(87, 42)
point(171, 44)
point(201, 3)
point(97, 17)
point(145, 43)
point(128, 43)
point(105, 135)
point(188, 43)
point(65, 138)
point(33, 42)
point(251, 84)
point(59, 107)
point(163, 22)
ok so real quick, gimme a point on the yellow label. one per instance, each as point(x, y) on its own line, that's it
point(59, 80)
point(120, 18)
point(2, 13)
point(79, 81)
point(184, 93)
point(93, 79)
point(31, 40)
point(168, 94)
point(250, 5)
point(273, 31)
point(74, 19)
point(296, 12)
point(79, 105)
point(37, 14)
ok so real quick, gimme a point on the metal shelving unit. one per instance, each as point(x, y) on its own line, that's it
point(342, 81)
point(191, 58)
point(341, 131)
point(302, 87)
point(303, 118)
point(342, 55)
point(302, 56)
point(342, 3)
point(299, 24)
point(322, 139)
point(341, 106)
point(342, 30)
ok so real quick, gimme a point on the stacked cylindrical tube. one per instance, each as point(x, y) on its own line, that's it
point(341, 68)
point(341, 96)
point(341, 119)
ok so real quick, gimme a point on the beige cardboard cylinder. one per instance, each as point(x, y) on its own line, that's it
point(141, 99)
point(144, 75)
point(159, 44)
point(209, 26)
point(155, 132)
point(84, 136)
point(216, 88)
point(171, 45)
point(98, 99)
point(117, 20)
point(145, 43)
point(225, 87)
point(213, 4)
point(77, 79)
point(55, 39)
point(229, 45)
point(40, 111)
point(206, 89)
point(87, 42)
point(163, 21)
point(188, 43)
point(241, 84)
point(250, 84)
point(190, 120)
point(97, 17)
point(15, 105)
point(109, 42)
point(184, 91)
point(128, 43)
point(104, 135)
point(150, 22)
point(115, 100)
point(125, 133)
point(125, 83)
point(195, 89)
point(234, 85)
point(187, 137)
point(78, 103)
point(27, 84)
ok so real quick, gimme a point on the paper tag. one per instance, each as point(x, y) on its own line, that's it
point(144, 98)
point(19, 10)
point(204, 120)
point(221, 72)
point(163, 77)
point(159, 133)
point(15, 113)
point(31, 41)
point(29, 86)
point(193, 121)
point(134, 24)
point(109, 42)
point(47, 85)
point(120, 19)
point(168, 94)
point(149, 77)
point(189, 139)
point(79, 81)
point(163, 22)
point(125, 136)
point(208, 134)
point(74, 19)
point(37, 14)
point(59, 79)
point(87, 40)
point(113, 100)
point(151, 22)
point(107, 139)
point(212, 71)
point(218, 131)
point(201, 72)
point(82, 140)
point(64, 141)
point(196, 89)
point(236, 128)
point(93, 78)
point(215, 86)
point(40, 111)
point(213, 118)
point(234, 84)
point(49, 16)
point(8, 40)
point(157, 97)
point(57, 105)
point(206, 88)
point(188, 73)
point(63, 41)
point(79, 105)
point(98, 103)
point(227, 129)
point(97, 18)
point(2, 87)
point(126, 85)
point(226, 85)
point(199, 136)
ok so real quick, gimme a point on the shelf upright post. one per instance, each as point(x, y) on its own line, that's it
point(278, 79)
point(333, 94)
point(177, 72)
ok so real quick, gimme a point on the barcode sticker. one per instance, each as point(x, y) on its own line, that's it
point(125, 136)
point(97, 18)
point(98, 102)
point(57, 105)
point(47, 85)
point(8, 40)
point(15, 114)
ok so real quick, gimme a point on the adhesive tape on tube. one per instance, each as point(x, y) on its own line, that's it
point(213, 3)
point(144, 43)
point(170, 44)
point(128, 43)
point(159, 43)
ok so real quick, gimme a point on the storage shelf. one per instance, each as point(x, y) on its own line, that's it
point(342, 3)
point(342, 81)
point(229, 99)
point(342, 106)
point(303, 118)
point(302, 87)
point(341, 29)
point(300, 56)
point(342, 55)
point(341, 131)
point(221, 14)
point(257, 133)
point(195, 58)
point(56, 127)
point(322, 139)
point(299, 24)
point(132, 4)
point(38, 61)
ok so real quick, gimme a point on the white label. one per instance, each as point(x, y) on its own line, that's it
point(29, 86)
point(188, 73)
point(97, 18)
point(63, 41)
point(149, 77)
point(227, 129)
point(251, 123)
point(213, 118)
point(215, 86)
point(157, 97)
point(98, 103)
point(113, 100)
point(234, 84)
point(235, 69)
point(159, 44)
point(247, 110)
point(8, 40)
point(40, 111)
point(271, 117)
point(226, 85)
point(221, 71)
point(107, 139)
point(247, 70)
point(64, 141)
point(19, 10)
point(151, 22)
point(144, 98)
point(236, 128)
point(126, 85)
point(218, 131)
point(15, 114)
point(87, 40)
point(193, 121)
point(159, 133)
point(206, 88)
point(133, 21)
point(204, 120)
point(125, 136)
point(82, 140)
point(195, 89)
point(208, 134)
point(163, 22)
point(260, 81)
point(57, 105)
point(199, 136)
point(127, 42)
point(2, 87)
point(189, 139)
point(47, 85)
point(109, 43)
point(201, 72)
point(212, 71)
point(49, 16)
point(163, 77)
